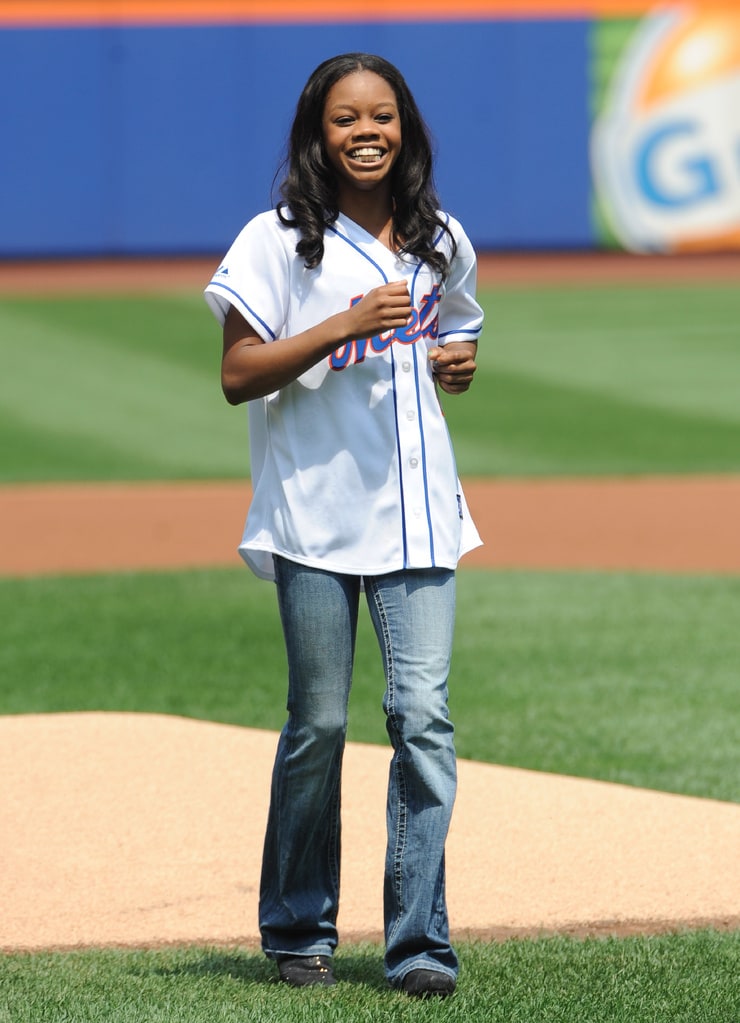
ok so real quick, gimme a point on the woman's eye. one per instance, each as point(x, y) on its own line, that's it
point(343, 121)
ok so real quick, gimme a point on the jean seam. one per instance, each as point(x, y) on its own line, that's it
point(398, 768)
point(333, 864)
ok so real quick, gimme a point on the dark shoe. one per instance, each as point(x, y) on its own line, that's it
point(428, 984)
point(306, 971)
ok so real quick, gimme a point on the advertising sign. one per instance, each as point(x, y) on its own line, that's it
point(665, 149)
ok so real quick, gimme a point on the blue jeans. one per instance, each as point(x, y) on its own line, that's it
point(413, 615)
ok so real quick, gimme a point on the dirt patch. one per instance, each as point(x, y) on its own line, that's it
point(683, 524)
point(141, 830)
point(504, 269)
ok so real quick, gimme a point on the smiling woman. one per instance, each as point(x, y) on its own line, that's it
point(399, 206)
point(362, 139)
point(355, 487)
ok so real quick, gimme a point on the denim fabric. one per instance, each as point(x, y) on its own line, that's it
point(413, 615)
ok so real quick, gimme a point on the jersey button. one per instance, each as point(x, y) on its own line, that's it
point(411, 415)
point(413, 462)
point(406, 366)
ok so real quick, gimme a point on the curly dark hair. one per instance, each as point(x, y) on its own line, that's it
point(309, 190)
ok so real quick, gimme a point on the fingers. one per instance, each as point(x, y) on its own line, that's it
point(388, 308)
point(394, 299)
point(453, 366)
point(396, 287)
point(384, 308)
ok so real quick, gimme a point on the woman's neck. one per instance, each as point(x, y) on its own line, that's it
point(374, 213)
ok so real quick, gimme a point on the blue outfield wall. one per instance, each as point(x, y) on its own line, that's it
point(137, 141)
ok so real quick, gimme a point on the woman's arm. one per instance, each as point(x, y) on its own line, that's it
point(250, 368)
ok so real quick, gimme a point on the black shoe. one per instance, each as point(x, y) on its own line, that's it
point(428, 984)
point(306, 971)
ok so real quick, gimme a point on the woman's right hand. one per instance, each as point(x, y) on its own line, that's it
point(385, 308)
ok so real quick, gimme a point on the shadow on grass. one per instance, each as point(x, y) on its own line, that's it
point(356, 967)
point(249, 967)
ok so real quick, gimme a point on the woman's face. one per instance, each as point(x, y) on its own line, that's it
point(362, 131)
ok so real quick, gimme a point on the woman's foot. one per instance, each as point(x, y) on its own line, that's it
point(428, 984)
point(306, 971)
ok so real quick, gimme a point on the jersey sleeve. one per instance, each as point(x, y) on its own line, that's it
point(460, 315)
point(254, 277)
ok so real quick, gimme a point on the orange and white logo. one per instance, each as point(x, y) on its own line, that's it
point(665, 152)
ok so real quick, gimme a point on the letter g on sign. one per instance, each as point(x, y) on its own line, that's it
point(670, 177)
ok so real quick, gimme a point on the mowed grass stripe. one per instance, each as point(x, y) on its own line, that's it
point(571, 381)
point(534, 427)
point(115, 403)
point(660, 346)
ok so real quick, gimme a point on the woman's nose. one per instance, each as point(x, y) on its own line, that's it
point(365, 128)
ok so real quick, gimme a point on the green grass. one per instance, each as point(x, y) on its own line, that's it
point(572, 380)
point(618, 380)
point(628, 678)
point(670, 979)
point(115, 388)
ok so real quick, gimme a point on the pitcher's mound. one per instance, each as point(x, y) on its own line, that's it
point(134, 829)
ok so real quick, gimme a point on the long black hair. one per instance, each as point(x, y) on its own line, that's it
point(310, 192)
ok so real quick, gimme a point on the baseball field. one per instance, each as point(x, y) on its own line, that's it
point(595, 678)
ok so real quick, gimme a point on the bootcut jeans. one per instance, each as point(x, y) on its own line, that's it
point(413, 615)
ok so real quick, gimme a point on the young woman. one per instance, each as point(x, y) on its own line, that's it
point(343, 310)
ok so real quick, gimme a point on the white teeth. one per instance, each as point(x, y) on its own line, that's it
point(366, 154)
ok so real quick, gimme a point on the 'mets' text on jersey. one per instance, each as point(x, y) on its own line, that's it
point(423, 323)
point(352, 465)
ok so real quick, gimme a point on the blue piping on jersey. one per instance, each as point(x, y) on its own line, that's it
point(357, 248)
point(402, 497)
point(420, 421)
point(473, 333)
point(400, 466)
point(218, 284)
point(413, 282)
point(372, 262)
point(424, 459)
point(438, 239)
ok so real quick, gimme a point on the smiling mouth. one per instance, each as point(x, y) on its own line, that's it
point(366, 154)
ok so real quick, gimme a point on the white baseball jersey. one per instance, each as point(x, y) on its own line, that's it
point(352, 465)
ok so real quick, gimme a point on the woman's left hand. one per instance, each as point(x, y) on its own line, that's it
point(454, 365)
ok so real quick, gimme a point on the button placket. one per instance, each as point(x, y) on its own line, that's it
point(411, 451)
